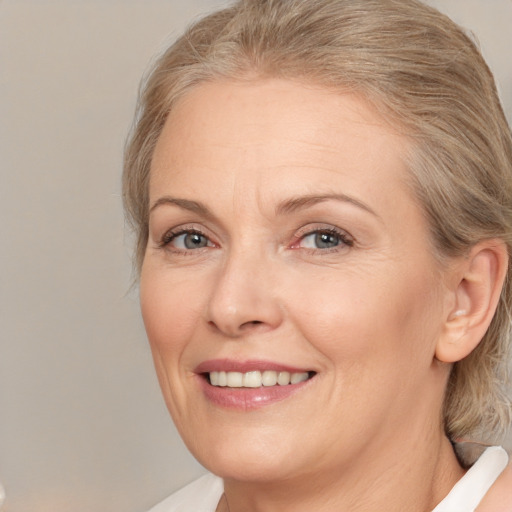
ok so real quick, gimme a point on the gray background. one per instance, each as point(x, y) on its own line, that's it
point(82, 424)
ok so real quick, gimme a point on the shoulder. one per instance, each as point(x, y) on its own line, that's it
point(202, 495)
point(499, 496)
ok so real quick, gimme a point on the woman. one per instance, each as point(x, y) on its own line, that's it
point(322, 195)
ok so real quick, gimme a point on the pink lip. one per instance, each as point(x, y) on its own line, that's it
point(229, 365)
point(244, 399)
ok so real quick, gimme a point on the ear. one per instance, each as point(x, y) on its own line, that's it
point(475, 291)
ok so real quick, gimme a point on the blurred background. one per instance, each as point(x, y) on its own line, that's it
point(82, 425)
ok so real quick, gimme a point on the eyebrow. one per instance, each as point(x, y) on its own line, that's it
point(286, 207)
point(185, 204)
point(307, 201)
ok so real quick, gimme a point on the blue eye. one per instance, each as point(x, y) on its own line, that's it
point(186, 240)
point(324, 239)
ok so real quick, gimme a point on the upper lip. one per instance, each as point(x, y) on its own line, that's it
point(230, 365)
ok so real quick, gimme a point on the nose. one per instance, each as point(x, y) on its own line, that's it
point(244, 298)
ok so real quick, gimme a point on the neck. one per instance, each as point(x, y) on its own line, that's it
point(393, 478)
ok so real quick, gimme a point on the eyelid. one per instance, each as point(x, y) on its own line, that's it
point(171, 234)
point(346, 238)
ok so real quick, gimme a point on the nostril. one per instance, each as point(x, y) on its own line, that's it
point(252, 323)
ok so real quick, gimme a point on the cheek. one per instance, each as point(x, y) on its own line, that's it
point(170, 309)
point(369, 317)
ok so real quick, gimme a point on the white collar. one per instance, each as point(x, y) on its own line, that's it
point(469, 491)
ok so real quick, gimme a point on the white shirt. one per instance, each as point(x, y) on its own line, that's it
point(469, 491)
point(203, 495)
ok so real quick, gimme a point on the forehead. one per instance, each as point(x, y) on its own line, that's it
point(275, 134)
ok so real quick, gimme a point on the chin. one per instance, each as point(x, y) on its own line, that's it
point(247, 457)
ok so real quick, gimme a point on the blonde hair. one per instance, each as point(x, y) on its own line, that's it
point(427, 77)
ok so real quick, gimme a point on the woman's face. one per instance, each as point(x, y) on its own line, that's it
point(285, 245)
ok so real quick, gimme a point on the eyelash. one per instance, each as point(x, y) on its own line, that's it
point(171, 236)
point(345, 240)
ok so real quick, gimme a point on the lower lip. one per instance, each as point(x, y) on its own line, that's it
point(248, 398)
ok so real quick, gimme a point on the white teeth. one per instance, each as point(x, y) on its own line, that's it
point(252, 379)
point(256, 379)
point(223, 379)
point(269, 378)
point(283, 379)
point(298, 377)
point(235, 380)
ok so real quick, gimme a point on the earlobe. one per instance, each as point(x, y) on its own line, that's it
point(476, 292)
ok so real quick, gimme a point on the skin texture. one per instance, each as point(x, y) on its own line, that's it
point(366, 315)
point(499, 498)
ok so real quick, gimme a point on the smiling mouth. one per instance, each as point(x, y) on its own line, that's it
point(256, 379)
